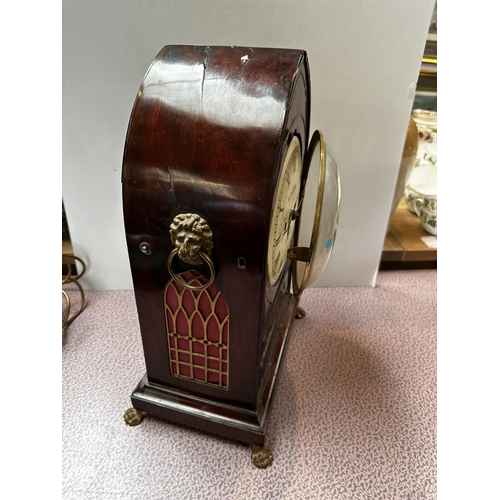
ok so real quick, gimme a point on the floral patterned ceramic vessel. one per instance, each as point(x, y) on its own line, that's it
point(426, 122)
point(427, 218)
point(426, 134)
point(430, 153)
point(422, 183)
point(425, 118)
point(421, 196)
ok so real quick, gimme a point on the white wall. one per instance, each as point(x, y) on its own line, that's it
point(364, 57)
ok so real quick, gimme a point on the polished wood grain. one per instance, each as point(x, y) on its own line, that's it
point(392, 250)
point(207, 135)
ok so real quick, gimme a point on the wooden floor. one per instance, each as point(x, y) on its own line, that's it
point(403, 246)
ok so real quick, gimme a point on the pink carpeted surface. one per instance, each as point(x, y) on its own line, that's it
point(353, 417)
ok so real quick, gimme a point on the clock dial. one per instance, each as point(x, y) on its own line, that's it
point(284, 213)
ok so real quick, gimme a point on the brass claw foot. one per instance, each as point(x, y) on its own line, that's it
point(261, 456)
point(300, 313)
point(133, 416)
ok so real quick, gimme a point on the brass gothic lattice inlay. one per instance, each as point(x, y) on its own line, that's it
point(198, 331)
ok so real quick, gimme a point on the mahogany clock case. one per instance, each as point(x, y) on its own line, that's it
point(208, 134)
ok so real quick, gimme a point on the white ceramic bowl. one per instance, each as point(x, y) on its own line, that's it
point(422, 183)
point(430, 153)
point(423, 179)
point(425, 118)
point(428, 220)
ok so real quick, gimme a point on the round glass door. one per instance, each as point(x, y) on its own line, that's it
point(321, 205)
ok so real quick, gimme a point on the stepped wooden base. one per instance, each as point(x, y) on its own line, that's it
point(226, 420)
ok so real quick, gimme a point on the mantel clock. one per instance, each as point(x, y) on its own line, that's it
point(218, 178)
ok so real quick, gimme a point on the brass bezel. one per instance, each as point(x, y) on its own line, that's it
point(316, 138)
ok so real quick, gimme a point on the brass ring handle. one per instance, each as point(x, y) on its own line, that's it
point(66, 319)
point(65, 258)
point(180, 280)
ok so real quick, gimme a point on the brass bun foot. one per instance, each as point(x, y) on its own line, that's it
point(300, 313)
point(133, 416)
point(261, 456)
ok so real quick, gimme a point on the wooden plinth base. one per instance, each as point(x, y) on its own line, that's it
point(225, 420)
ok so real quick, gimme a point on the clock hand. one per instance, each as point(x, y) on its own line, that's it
point(288, 224)
point(287, 227)
point(296, 211)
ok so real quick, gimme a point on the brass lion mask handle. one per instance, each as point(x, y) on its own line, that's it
point(192, 239)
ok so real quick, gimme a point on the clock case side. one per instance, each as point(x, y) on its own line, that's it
point(279, 305)
point(186, 154)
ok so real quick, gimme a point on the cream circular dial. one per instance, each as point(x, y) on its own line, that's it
point(285, 211)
